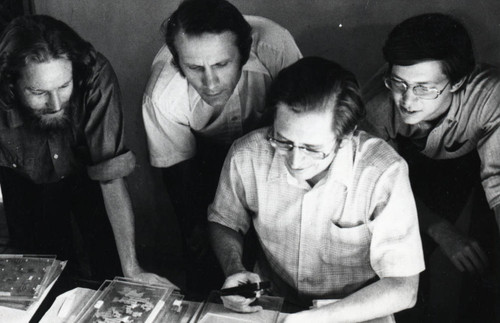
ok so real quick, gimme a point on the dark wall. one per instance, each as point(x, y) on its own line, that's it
point(350, 32)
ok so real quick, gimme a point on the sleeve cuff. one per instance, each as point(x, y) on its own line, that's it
point(173, 159)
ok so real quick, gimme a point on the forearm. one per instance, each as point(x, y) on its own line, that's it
point(385, 297)
point(228, 247)
point(430, 222)
point(121, 217)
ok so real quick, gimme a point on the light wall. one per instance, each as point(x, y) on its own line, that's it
point(350, 32)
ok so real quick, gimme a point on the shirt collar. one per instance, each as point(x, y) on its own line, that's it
point(342, 167)
point(277, 169)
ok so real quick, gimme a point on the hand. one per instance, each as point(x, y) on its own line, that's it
point(464, 252)
point(299, 317)
point(150, 278)
point(286, 318)
point(239, 303)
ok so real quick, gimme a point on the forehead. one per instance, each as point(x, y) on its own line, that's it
point(310, 127)
point(209, 46)
point(423, 72)
point(46, 75)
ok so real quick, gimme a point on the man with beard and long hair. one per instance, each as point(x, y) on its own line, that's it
point(62, 151)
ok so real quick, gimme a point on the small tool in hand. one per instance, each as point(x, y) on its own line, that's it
point(248, 290)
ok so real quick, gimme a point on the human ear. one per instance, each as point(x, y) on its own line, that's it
point(455, 87)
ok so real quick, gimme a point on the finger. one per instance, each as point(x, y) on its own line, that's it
point(240, 304)
point(254, 278)
point(457, 264)
point(244, 308)
point(244, 278)
point(169, 283)
point(481, 254)
point(475, 259)
point(237, 300)
point(155, 279)
point(466, 263)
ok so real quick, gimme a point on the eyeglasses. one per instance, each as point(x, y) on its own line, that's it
point(420, 91)
point(288, 146)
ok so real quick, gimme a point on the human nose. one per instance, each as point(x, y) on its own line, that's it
point(211, 80)
point(54, 101)
point(407, 98)
point(296, 158)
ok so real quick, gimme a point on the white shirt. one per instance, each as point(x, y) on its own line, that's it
point(173, 109)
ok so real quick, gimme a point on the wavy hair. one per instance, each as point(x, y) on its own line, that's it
point(195, 17)
point(317, 84)
point(38, 39)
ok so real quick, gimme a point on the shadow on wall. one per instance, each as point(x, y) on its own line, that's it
point(347, 46)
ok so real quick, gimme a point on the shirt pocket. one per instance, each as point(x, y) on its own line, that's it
point(348, 247)
point(11, 158)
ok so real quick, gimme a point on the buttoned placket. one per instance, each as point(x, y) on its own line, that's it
point(55, 156)
point(307, 223)
point(234, 118)
point(315, 207)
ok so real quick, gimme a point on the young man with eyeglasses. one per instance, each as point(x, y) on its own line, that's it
point(441, 110)
point(332, 206)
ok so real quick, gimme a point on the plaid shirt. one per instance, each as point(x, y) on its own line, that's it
point(357, 224)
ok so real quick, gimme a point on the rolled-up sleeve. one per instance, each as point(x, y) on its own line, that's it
point(170, 140)
point(104, 131)
point(396, 248)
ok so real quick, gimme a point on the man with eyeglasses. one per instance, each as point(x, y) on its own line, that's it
point(332, 206)
point(441, 110)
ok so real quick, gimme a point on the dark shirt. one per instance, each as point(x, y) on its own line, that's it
point(94, 144)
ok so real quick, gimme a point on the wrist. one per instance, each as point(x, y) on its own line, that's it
point(441, 230)
point(235, 269)
point(131, 269)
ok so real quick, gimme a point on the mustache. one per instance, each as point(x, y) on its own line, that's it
point(48, 111)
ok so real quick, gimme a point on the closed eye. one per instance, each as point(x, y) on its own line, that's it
point(65, 85)
point(195, 67)
point(38, 93)
point(314, 150)
point(424, 88)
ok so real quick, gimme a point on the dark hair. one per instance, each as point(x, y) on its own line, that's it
point(431, 36)
point(317, 84)
point(195, 17)
point(38, 39)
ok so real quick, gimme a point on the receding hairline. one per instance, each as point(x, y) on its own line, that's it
point(190, 36)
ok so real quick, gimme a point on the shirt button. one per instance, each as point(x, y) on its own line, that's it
point(56, 156)
point(14, 165)
point(62, 177)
